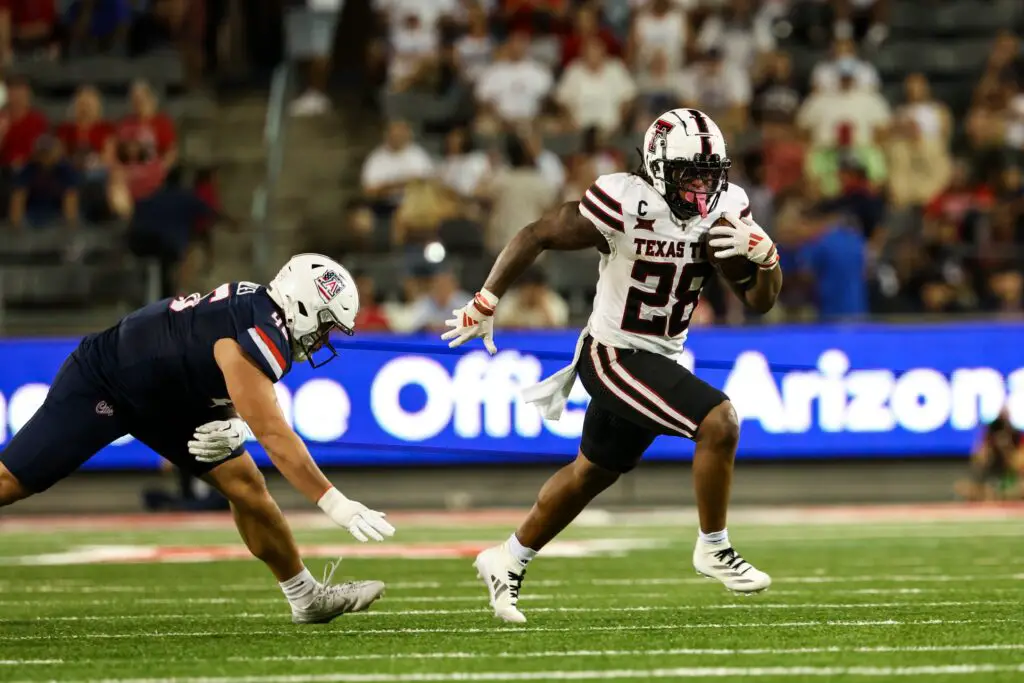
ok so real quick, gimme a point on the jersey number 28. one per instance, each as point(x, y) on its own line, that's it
point(659, 324)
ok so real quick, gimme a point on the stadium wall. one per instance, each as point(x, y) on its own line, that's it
point(828, 412)
point(811, 392)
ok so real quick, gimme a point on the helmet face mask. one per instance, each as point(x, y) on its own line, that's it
point(310, 344)
point(317, 296)
point(685, 160)
point(693, 187)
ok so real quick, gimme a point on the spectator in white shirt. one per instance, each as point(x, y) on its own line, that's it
point(463, 169)
point(739, 33)
point(660, 25)
point(443, 296)
point(720, 89)
point(514, 87)
point(868, 18)
point(547, 162)
point(475, 48)
point(519, 195)
point(430, 14)
point(394, 164)
point(864, 112)
point(931, 117)
point(414, 48)
point(826, 74)
point(309, 34)
point(595, 90)
point(532, 305)
point(658, 86)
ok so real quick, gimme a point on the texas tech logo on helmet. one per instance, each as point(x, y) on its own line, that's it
point(329, 285)
point(661, 130)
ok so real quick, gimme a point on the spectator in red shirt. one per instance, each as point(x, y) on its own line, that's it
point(20, 125)
point(149, 127)
point(784, 154)
point(29, 26)
point(207, 188)
point(200, 252)
point(88, 139)
point(587, 25)
point(371, 317)
point(962, 203)
point(89, 144)
point(142, 171)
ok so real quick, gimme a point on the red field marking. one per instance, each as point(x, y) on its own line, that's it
point(844, 514)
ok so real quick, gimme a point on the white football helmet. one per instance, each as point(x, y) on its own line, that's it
point(686, 161)
point(317, 296)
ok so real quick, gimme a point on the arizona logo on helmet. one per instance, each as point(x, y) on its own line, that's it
point(329, 284)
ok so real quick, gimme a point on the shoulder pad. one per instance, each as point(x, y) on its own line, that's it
point(734, 200)
point(602, 202)
point(264, 337)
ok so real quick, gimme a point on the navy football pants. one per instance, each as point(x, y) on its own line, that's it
point(78, 418)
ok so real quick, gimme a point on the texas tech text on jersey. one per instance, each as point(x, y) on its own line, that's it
point(651, 278)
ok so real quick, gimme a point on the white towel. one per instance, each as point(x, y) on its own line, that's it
point(552, 393)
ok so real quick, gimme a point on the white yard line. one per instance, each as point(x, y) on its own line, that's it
point(511, 631)
point(526, 654)
point(474, 597)
point(559, 675)
point(670, 652)
point(752, 605)
point(477, 596)
point(559, 654)
point(61, 587)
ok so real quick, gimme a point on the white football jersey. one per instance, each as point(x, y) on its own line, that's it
point(650, 281)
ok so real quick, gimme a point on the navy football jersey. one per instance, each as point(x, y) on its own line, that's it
point(160, 358)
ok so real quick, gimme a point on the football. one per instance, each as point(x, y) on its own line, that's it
point(734, 268)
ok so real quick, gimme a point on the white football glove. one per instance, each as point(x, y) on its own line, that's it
point(475, 319)
point(746, 238)
point(215, 441)
point(361, 521)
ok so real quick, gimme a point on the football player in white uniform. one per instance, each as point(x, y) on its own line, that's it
point(650, 229)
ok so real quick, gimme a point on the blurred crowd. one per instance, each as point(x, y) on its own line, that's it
point(880, 206)
point(88, 169)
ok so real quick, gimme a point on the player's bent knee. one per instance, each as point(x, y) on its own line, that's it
point(11, 490)
point(593, 474)
point(720, 430)
point(240, 481)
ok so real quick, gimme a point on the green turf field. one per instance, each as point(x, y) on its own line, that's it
point(893, 598)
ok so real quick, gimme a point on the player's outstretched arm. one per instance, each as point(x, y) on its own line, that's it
point(254, 398)
point(562, 229)
point(253, 394)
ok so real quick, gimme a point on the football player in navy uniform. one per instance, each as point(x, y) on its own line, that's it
point(173, 374)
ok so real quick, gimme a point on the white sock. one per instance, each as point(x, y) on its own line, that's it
point(299, 589)
point(520, 551)
point(715, 537)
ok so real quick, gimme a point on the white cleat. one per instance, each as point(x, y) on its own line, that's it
point(503, 575)
point(723, 563)
point(333, 600)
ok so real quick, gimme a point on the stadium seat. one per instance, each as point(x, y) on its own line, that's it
point(973, 16)
point(563, 144)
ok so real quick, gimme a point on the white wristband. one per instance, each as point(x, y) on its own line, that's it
point(331, 500)
point(485, 302)
point(490, 298)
